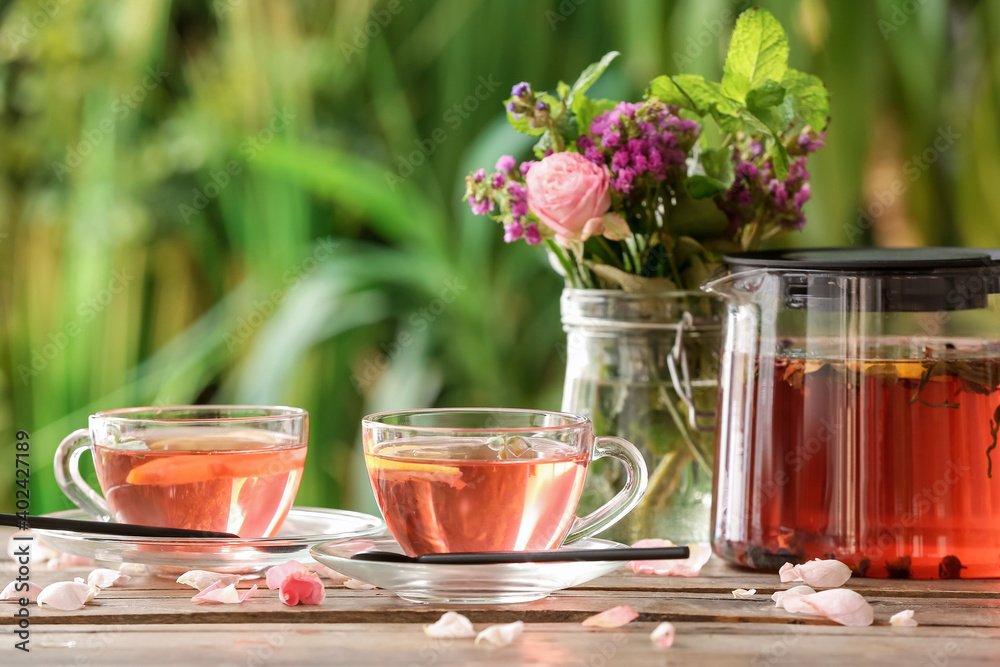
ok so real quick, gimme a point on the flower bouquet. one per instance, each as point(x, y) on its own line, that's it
point(636, 202)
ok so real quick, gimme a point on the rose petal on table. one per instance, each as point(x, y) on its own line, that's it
point(840, 605)
point(358, 585)
point(818, 573)
point(224, 594)
point(688, 567)
point(615, 617)
point(62, 561)
point(744, 594)
point(17, 590)
point(903, 619)
point(498, 636)
point(301, 588)
point(780, 596)
point(66, 595)
point(663, 635)
point(450, 626)
point(328, 573)
point(37, 551)
point(278, 573)
point(104, 577)
point(202, 579)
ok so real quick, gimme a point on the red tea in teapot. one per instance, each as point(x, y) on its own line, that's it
point(890, 466)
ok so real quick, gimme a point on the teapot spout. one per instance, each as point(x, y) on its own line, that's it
point(737, 288)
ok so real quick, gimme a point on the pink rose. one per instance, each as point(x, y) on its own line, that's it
point(569, 194)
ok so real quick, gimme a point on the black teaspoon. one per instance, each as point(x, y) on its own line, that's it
point(105, 527)
point(554, 556)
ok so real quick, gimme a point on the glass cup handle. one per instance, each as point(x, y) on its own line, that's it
point(616, 508)
point(67, 468)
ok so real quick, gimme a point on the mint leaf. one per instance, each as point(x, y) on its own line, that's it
point(562, 90)
point(703, 187)
point(769, 94)
point(592, 73)
point(706, 96)
point(523, 124)
point(779, 158)
point(665, 90)
point(758, 51)
point(810, 103)
point(585, 109)
point(718, 165)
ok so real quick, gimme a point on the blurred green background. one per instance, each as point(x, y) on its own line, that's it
point(247, 201)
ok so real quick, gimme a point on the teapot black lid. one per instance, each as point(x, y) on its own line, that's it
point(865, 259)
point(890, 279)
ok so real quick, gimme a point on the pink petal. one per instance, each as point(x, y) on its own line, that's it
point(903, 619)
point(615, 617)
point(840, 605)
point(66, 595)
point(332, 575)
point(663, 635)
point(223, 594)
point(818, 573)
point(744, 594)
point(202, 579)
point(301, 588)
point(779, 597)
point(689, 567)
point(278, 573)
point(357, 585)
point(103, 577)
point(450, 626)
point(498, 636)
point(17, 590)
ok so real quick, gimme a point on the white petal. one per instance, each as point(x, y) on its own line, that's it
point(65, 595)
point(688, 567)
point(615, 617)
point(450, 626)
point(823, 573)
point(17, 590)
point(744, 594)
point(780, 596)
point(332, 575)
point(103, 577)
point(788, 573)
point(841, 605)
point(663, 635)
point(202, 579)
point(903, 619)
point(498, 636)
point(223, 594)
point(358, 585)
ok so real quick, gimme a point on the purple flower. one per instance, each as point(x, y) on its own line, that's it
point(522, 89)
point(506, 164)
point(599, 125)
point(781, 196)
point(481, 206)
point(517, 190)
point(620, 160)
point(479, 176)
point(519, 208)
point(687, 125)
point(594, 154)
point(626, 109)
point(744, 198)
point(609, 139)
point(526, 166)
point(511, 106)
point(810, 145)
point(756, 148)
point(542, 106)
point(499, 180)
point(584, 142)
point(532, 235)
point(512, 232)
point(802, 196)
point(797, 171)
point(747, 169)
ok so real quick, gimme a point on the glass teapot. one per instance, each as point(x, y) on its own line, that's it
point(859, 404)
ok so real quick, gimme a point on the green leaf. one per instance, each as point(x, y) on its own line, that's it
point(563, 90)
point(810, 103)
point(522, 124)
point(544, 144)
point(779, 158)
point(592, 73)
point(718, 165)
point(700, 186)
point(705, 95)
point(758, 51)
point(664, 89)
point(585, 109)
point(769, 94)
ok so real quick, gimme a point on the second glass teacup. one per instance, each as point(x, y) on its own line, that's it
point(469, 479)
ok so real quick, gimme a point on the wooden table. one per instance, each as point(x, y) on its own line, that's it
point(151, 621)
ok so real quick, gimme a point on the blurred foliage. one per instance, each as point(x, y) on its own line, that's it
point(194, 201)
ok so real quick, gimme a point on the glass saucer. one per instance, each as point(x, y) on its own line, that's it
point(462, 584)
point(304, 527)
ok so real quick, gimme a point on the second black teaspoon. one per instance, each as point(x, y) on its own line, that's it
point(554, 556)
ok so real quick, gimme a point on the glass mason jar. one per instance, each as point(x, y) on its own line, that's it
point(644, 367)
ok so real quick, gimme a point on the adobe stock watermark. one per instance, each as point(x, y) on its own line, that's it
point(900, 14)
point(711, 30)
point(378, 19)
point(913, 169)
point(119, 110)
point(29, 26)
point(264, 308)
point(454, 116)
point(416, 324)
point(86, 311)
point(248, 150)
point(564, 11)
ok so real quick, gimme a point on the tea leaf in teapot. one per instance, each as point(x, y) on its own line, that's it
point(994, 428)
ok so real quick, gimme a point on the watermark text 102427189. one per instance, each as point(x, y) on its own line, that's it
point(22, 543)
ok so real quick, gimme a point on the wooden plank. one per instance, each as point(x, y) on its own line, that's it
point(543, 643)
